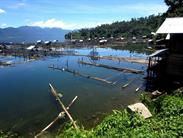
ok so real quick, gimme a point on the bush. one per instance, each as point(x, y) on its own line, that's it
point(167, 121)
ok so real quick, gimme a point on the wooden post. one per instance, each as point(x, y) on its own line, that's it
point(128, 83)
point(62, 105)
point(138, 88)
point(60, 115)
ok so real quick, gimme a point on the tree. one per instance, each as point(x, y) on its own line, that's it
point(175, 7)
point(173, 3)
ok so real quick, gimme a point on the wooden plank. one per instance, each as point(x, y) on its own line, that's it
point(127, 70)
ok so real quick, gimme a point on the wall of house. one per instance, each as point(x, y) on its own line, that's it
point(175, 58)
point(176, 43)
point(175, 65)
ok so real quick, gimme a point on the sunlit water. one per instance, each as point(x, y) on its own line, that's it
point(27, 106)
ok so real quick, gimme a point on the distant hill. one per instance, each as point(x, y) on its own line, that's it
point(135, 27)
point(31, 34)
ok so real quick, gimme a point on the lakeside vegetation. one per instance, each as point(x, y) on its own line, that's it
point(167, 122)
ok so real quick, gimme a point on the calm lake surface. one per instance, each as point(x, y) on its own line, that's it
point(27, 106)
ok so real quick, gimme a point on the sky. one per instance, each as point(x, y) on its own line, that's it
point(74, 14)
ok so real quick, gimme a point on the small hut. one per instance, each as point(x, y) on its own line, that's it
point(31, 47)
point(39, 42)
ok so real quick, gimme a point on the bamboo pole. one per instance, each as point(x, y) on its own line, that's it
point(82, 75)
point(62, 105)
point(60, 115)
point(114, 76)
point(128, 83)
point(138, 88)
point(113, 58)
point(113, 68)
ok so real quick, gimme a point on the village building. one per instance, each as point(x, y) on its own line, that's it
point(171, 57)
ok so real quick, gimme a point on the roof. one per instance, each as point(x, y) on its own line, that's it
point(39, 41)
point(158, 52)
point(47, 42)
point(30, 47)
point(171, 26)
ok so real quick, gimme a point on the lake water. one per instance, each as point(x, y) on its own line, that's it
point(27, 106)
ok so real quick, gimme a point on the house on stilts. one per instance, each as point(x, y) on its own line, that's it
point(169, 60)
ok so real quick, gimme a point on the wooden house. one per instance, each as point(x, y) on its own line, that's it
point(173, 29)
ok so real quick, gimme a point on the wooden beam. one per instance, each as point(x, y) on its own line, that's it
point(113, 68)
point(82, 75)
point(62, 105)
point(60, 115)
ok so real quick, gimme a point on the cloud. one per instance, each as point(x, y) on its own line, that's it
point(3, 25)
point(2, 11)
point(17, 5)
point(53, 23)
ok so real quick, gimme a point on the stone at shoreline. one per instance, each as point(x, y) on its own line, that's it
point(141, 109)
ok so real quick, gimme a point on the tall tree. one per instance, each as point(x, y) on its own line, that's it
point(175, 7)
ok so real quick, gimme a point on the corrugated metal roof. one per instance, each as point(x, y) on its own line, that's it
point(171, 26)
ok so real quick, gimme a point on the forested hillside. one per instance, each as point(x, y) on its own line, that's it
point(135, 27)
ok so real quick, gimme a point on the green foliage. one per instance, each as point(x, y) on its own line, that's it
point(136, 27)
point(73, 35)
point(8, 135)
point(175, 8)
point(70, 132)
point(118, 124)
point(166, 122)
point(171, 105)
point(178, 92)
point(174, 2)
point(146, 99)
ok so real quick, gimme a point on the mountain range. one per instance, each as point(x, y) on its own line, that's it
point(31, 34)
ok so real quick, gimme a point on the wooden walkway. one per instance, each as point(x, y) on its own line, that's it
point(127, 70)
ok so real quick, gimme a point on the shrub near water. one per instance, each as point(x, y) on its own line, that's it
point(167, 121)
point(8, 135)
